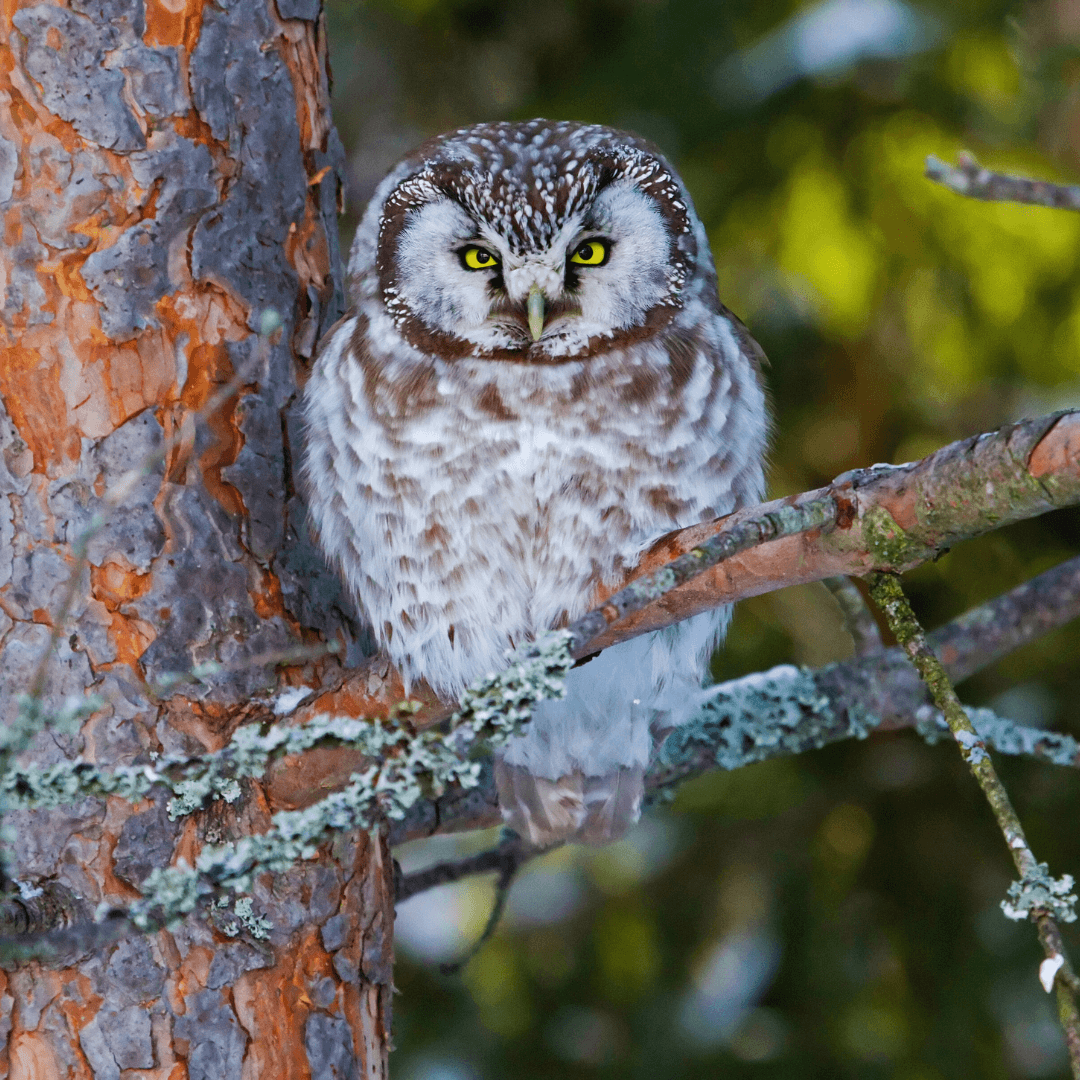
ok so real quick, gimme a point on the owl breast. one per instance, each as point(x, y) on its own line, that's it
point(471, 503)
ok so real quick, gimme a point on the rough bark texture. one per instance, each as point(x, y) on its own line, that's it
point(168, 170)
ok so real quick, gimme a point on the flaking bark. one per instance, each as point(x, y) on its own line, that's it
point(167, 174)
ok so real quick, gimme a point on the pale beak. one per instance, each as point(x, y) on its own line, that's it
point(536, 312)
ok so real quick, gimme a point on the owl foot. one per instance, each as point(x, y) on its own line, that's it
point(575, 808)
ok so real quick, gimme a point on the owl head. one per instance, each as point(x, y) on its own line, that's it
point(538, 241)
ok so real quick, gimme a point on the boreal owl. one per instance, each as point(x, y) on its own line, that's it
point(536, 380)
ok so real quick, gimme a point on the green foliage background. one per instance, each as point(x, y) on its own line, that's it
point(845, 902)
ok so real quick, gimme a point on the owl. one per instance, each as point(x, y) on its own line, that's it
point(536, 380)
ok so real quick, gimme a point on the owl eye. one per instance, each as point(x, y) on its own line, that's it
point(591, 253)
point(477, 258)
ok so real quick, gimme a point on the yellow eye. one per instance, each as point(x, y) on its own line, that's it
point(591, 253)
point(476, 258)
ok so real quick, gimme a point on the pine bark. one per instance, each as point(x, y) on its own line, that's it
point(169, 171)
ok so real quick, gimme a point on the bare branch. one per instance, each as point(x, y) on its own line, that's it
point(484, 862)
point(968, 177)
point(512, 855)
point(1047, 899)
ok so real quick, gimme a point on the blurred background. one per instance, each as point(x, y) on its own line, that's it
point(835, 915)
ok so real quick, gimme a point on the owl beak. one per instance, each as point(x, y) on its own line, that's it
point(535, 308)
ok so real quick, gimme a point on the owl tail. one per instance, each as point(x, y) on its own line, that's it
point(574, 808)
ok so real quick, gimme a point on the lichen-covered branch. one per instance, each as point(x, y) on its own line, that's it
point(789, 710)
point(968, 177)
point(403, 766)
point(1037, 895)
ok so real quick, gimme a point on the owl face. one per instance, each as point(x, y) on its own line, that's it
point(530, 242)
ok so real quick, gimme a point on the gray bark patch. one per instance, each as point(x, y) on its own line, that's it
point(75, 83)
point(98, 1055)
point(127, 1034)
point(335, 931)
point(131, 276)
point(132, 975)
point(9, 166)
point(134, 532)
point(146, 842)
point(231, 961)
point(156, 82)
point(329, 1047)
point(299, 9)
point(215, 1039)
point(126, 16)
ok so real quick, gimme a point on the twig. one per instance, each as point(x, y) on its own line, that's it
point(511, 856)
point(968, 177)
point(889, 596)
point(859, 620)
point(446, 873)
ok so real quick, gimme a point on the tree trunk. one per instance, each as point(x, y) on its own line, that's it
point(169, 171)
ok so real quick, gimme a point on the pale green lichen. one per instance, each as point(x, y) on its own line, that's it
point(760, 716)
point(1038, 893)
point(191, 795)
point(243, 917)
point(1005, 736)
point(405, 766)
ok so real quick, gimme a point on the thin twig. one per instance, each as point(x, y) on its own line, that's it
point(513, 855)
point(446, 873)
point(889, 596)
point(859, 620)
point(967, 177)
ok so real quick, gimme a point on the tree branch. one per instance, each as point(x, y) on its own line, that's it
point(887, 517)
point(1046, 900)
point(968, 177)
point(788, 710)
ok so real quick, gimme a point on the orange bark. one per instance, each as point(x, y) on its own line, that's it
point(126, 313)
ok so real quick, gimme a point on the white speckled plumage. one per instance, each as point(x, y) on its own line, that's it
point(475, 486)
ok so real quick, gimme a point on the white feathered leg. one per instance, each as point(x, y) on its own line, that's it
point(577, 772)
